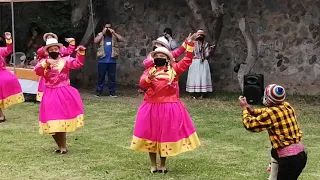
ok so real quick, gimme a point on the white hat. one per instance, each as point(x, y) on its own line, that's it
point(45, 36)
point(161, 40)
point(162, 50)
point(52, 42)
point(201, 32)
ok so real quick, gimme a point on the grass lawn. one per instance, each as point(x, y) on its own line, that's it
point(100, 150)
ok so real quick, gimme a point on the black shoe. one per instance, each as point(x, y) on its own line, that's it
point(152, 170)
point(64, 152)
point(164, 171)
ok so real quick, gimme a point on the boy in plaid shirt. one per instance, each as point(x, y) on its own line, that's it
point(279, 119)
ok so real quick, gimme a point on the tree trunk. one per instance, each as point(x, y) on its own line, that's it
point(217, 32)
point(216, 8)
point(89, 32)
point(77, 12)
point(252, 56)
point(86, 41)
point(218, 13)
point(197, 14)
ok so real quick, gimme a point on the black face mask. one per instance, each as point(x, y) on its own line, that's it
point(160, 62)
point(54, 55)
point(201, 38)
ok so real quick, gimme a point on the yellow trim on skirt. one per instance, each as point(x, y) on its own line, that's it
point(39, 96)
point(166, 148)
point(54, 126)
point(11, 100)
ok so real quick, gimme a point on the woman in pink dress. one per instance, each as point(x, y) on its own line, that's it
point(163, 125)
point(10, 88)
point(42, 54)
point(163, 42)
point(61, 108)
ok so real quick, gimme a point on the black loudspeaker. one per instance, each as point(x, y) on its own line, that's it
point(253, 88)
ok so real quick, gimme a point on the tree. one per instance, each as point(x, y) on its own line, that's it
point(197, 14)
point(218, 13)
point(252, 55)
point(80, 8)
point(86, 7)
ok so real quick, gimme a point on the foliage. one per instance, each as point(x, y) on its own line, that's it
point(59, 19)
point(49, 16)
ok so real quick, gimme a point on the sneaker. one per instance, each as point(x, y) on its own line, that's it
point(113, 96)
point(98, 94)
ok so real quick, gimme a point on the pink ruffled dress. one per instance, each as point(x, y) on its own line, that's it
point(61, 108)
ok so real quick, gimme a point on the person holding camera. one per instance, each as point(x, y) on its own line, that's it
point(108, 53)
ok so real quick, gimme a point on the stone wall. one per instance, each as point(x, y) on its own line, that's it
point(287, 36)
point(286, 33)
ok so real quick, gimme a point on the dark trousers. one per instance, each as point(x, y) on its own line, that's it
point(110, 70)
point(290, 167)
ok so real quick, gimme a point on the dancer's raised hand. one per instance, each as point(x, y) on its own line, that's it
point(245, 106)
point(243, 101)
point(81, 48)
point(193, 37)
point(7, 35)
point(152, 75)
point(187, 39)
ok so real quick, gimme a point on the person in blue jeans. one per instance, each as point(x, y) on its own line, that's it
point(108, 53)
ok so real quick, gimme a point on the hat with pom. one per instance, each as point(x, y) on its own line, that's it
point(274, 94)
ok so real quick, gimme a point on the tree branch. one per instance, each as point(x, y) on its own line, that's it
point(90, 29)
point(78, 11)
point(218, 13)
point(252, 56)
point(197, 14)
point(216, 8)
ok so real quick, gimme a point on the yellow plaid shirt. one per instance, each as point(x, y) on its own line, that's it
point(280, 122)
